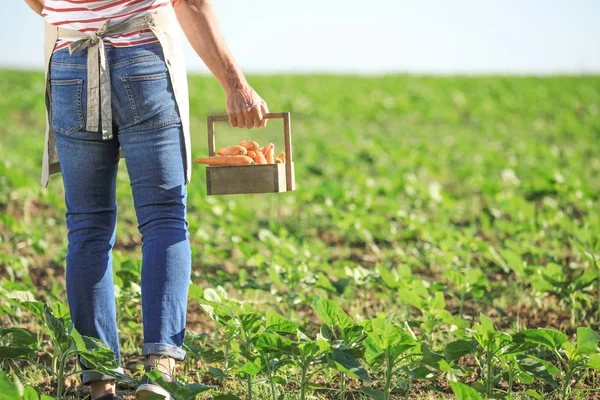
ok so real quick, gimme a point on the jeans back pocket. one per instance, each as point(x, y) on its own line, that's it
point(67, 108)
point(151, 99)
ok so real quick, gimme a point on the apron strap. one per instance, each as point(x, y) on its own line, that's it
point(99, 106)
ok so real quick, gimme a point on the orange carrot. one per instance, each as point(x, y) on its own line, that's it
point(260, 158)
point(262, 150)
point(278, 160)
point(251, 154)
point(270, 153)
point(225, 160)
point(233, 151)
point(282, 156)
point(249, 144)
point(256, 158)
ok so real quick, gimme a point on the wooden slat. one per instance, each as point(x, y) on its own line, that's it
point(287, 134)
point(210, 122)
point(208, 183)
point(240, 179)
point(221, 118)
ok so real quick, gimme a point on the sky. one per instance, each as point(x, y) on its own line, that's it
point(445, 37)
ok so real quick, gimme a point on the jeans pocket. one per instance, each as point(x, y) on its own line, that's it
point(151, 99)
point(67, 108)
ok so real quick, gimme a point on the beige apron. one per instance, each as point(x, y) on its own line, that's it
point(164, 26)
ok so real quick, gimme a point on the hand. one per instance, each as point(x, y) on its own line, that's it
point(246, 108)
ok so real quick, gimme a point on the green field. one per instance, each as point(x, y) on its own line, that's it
point(443, 242)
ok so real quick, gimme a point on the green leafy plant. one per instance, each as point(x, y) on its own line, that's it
point(311, 353)
point(464, 392)
point(66, 343)
point(571, 287)
point(490, 344)
point(17, 343)
point(432, 305)
point(273, 348)
point(388, 345)
point(241, 326)
point(10, 391)
point(346, 338)
point(588, 246)
point(572, 358)
point(471, 284)
point(177, 389)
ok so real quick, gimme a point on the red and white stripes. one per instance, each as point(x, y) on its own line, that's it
point(88, 16)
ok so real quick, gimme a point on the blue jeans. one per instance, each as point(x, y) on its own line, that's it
point(148, 130)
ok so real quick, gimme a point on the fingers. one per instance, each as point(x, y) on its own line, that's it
point(246, 109)
point(233, 120)
point(249, 118)
point(253, 118)
point(241, 120)
point(263, 110)
point(257, 116)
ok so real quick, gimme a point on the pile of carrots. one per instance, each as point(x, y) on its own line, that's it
point(246, 153)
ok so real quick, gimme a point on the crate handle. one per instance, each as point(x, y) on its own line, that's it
point(287, 135)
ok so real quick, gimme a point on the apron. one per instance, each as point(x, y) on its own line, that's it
point(163, 24)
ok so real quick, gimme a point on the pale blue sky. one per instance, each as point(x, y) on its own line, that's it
point(378, 36)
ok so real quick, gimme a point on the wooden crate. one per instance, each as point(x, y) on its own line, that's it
point(243, 179)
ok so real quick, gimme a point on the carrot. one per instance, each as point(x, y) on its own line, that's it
point(256, 158)
point(262, 150)
point(278, 160)
point(282, 156)
point(260, 158)
point(225, 160)
point(251, 154)
point(270, 153)
point(233, 151)
point(249, 144)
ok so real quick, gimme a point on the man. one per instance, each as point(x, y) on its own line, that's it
point(116, 85)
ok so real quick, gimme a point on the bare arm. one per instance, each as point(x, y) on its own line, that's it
point(36, 5)
point(199, 23)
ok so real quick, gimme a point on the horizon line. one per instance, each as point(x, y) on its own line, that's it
point(383, 73)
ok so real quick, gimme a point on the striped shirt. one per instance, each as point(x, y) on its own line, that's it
point(90, 15)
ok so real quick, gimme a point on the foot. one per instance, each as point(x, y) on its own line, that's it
point(147, 386)
point(108, 396)
point(103, 390)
